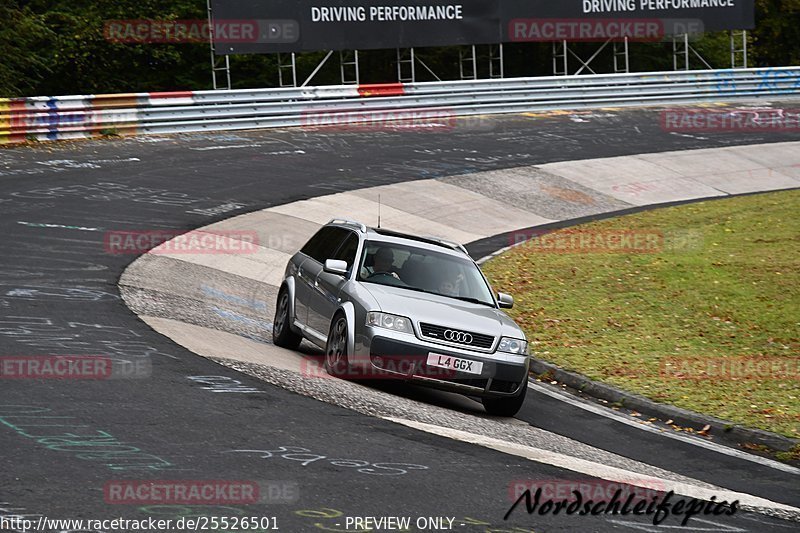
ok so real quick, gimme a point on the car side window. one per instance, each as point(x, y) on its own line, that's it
point(322, 245)
point(347, 251)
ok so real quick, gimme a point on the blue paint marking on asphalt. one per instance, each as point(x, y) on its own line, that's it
point(231, 315)
point(258, 305)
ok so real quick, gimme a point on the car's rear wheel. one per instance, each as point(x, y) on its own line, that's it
point(336, 361)
point(282, 334)
point(506, 406)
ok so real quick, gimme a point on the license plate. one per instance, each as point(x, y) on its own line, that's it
point(455, 363)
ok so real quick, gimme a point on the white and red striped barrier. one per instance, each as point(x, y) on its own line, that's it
point(74, 117)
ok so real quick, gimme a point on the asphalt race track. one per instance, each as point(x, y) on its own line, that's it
point(63, 441)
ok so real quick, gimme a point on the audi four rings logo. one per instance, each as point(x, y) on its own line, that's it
point(458, 336)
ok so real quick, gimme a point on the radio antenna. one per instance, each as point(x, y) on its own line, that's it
point(379, 211)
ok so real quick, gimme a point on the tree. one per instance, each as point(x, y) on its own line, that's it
point(777, 34)
point(59, 47)
point(24, 37)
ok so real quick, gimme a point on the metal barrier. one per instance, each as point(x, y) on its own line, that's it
point(70, 117)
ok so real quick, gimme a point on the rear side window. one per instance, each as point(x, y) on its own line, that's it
point(347, 252)
point(322, 245)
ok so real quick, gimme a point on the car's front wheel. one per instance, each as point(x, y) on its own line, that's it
point(506, 406)
point(282, 334)
point(336, 362)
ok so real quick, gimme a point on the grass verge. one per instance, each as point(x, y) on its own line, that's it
point(700, 308)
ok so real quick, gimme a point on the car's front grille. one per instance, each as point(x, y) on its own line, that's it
point(457, 336)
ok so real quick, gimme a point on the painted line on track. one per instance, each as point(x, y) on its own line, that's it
point(713, 446)
point(601, 471)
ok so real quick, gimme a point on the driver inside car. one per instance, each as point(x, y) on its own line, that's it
point(383, 263)
point(450, 283)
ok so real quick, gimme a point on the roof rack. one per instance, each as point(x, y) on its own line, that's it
point(449, 244)
point(424, 238)
point(345, 222)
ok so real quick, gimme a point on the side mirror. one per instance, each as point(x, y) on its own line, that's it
point(334, 266)
point(505, 301)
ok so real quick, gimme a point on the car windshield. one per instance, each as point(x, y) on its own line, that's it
point(422, 270)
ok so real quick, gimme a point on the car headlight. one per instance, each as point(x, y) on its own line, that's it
point(515, 346)
point(387, 321)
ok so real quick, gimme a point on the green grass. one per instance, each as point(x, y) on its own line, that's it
point(726, 284)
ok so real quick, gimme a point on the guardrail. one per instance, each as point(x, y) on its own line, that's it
point(70, 117)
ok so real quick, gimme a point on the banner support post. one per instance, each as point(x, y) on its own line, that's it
point(496, 57)
point(677, 51)
point(470, 60)
point(411, 62)
point(626, 68)
point(737, 52)
point(292, 65)
point(585, 64)
point(560, 51)
point(356, 80)
point(215, 68)
point(319, 67)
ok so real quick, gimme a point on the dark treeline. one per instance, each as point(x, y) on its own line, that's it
point(51, 47)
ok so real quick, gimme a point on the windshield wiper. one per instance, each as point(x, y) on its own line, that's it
point(471, 300)
point(417, 289)
point(462, 298)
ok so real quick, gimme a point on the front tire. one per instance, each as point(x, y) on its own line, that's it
point(282, 334)
point(336, 361)
point(506, 406)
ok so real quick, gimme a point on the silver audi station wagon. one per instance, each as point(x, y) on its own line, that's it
point(384, 305)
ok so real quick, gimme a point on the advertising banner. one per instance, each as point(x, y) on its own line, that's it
point(307, 25)
point(268, 26)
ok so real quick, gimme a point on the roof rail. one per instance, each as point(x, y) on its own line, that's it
point(449, 244)
point(345, 222)
point(424, 238)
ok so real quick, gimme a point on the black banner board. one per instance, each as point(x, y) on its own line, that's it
point(268, 26)
point(306, 25)
point(576, 20)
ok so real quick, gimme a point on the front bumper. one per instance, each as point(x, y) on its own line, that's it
point(502, 374)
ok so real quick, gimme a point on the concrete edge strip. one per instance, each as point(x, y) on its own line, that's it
point(597, 470)
point(681, 416)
